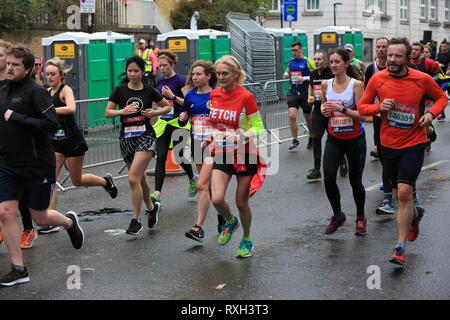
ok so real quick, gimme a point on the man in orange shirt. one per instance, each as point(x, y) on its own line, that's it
point(403, 132)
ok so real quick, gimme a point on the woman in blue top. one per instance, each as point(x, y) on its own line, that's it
point(202, 78)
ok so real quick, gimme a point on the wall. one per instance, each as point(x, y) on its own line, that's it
point(167, 6)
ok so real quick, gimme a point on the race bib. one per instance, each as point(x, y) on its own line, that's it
point(133, 131)
point(201, 128)
point(171, 112)
point(219, 133)
point(402, 117)
point(317, 92)
point(295, 77)
point(60, 135)
point(341, 123)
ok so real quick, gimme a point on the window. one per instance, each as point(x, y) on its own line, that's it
point(274, 5)
point(367, 5)
point(382, 6)
point(404, 10)
point(312, 4)
point(446, 10)
point(375, 6)
point(433, 9)
point(423, 9)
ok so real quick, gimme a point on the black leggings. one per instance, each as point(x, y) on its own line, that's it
point(319, 126)
point(26, 215)
point(162, 149)
point(355, 149)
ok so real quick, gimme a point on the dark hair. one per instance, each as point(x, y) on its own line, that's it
point(352, 71)
point(418, 44)
point(170, 55)
point(23, 53)
point(297, 43)
point(139, 62)
point(323, 52)
point(209, 69)
point(403, 41)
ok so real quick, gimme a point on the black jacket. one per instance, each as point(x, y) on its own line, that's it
point(25, 137)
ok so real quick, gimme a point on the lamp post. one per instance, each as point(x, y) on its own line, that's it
point(335, 10)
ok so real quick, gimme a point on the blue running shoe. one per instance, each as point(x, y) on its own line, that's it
point(227, 232)
point(386, 208)
point(381, 187)
point(245, 249)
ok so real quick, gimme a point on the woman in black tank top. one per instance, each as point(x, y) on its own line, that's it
point(68, 142)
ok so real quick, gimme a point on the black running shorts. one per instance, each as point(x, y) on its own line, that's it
point(297, 101)
point(129, 146)
point(34, 185)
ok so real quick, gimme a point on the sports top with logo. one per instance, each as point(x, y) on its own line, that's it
point(316, 81)
point(400, 126)
point(340, 125)
point(175, 83)
point(231, 111)
point(135, 125)
point(299, 68)
point(198, 106)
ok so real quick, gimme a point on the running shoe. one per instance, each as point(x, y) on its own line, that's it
point(48, 229)
point(192, 187)
point(28, 236)
point(294, 146)
point(361, 226)
point(432, 136)
point(110, 185)
point(374, 153)
point(441, 117)
point(414, 231)
point(336, 222)
point(245, 249)
point(14, 277)
point(1, 237)
point(75, 232)
point(220, 222)
point(343, 169)
point(381, 187)
point(399, 256)
point(152, 215)
point(196, 233)
point(155, 197)
point(135, 227)
point(385, 208)
point(313, 174)
point(310, 144)
point(227, 232)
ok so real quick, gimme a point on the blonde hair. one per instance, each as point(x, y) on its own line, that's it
point(233, 63)
point(5, 44)
point(60, 64)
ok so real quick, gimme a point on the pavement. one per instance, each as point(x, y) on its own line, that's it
point(292, 259)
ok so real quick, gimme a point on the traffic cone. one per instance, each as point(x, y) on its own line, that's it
point(171, 165)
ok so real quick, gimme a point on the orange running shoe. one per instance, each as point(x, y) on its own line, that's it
point(399, 256)
point(414, 231)
point(28, 236)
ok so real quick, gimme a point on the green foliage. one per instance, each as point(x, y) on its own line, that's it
point(211, 14)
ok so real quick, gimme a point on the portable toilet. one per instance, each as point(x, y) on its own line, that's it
point(192, 45)
point(91, 76)
point(283, 39)
point(332, 37)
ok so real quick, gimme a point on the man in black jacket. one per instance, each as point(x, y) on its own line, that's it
point(27, 159)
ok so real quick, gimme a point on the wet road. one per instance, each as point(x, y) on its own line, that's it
point(292, 259)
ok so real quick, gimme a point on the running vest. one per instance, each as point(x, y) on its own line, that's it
point(421, 67)
point(68, 124)
point(339, 125)
point(145, 55)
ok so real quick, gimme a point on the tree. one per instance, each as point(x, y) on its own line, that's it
point(211, 14)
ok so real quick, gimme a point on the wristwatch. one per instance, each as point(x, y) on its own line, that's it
point(174, 98)
point(344, 110)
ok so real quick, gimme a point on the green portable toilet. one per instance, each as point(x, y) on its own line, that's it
point(192, 45)
point(332, 37)
point(283, 39)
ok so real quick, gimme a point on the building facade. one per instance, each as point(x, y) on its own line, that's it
point(414, 19)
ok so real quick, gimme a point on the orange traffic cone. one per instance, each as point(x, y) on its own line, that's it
point(171, 165)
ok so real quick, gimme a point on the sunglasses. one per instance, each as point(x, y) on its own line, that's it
point(37, 64)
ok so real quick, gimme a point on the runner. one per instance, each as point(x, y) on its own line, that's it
point(137, 136)
point(319, 122)
point(400, 90)
point(379, 64)
point(172, 86)
point(27, 160)
point(235, 120)
point(148, 55)
point(202, 78)
point(69, 143)
point(29, 235)
point(297, 96)
point(346, 135)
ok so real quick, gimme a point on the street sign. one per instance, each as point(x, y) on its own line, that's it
point(290, 10)
point(87, 6)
